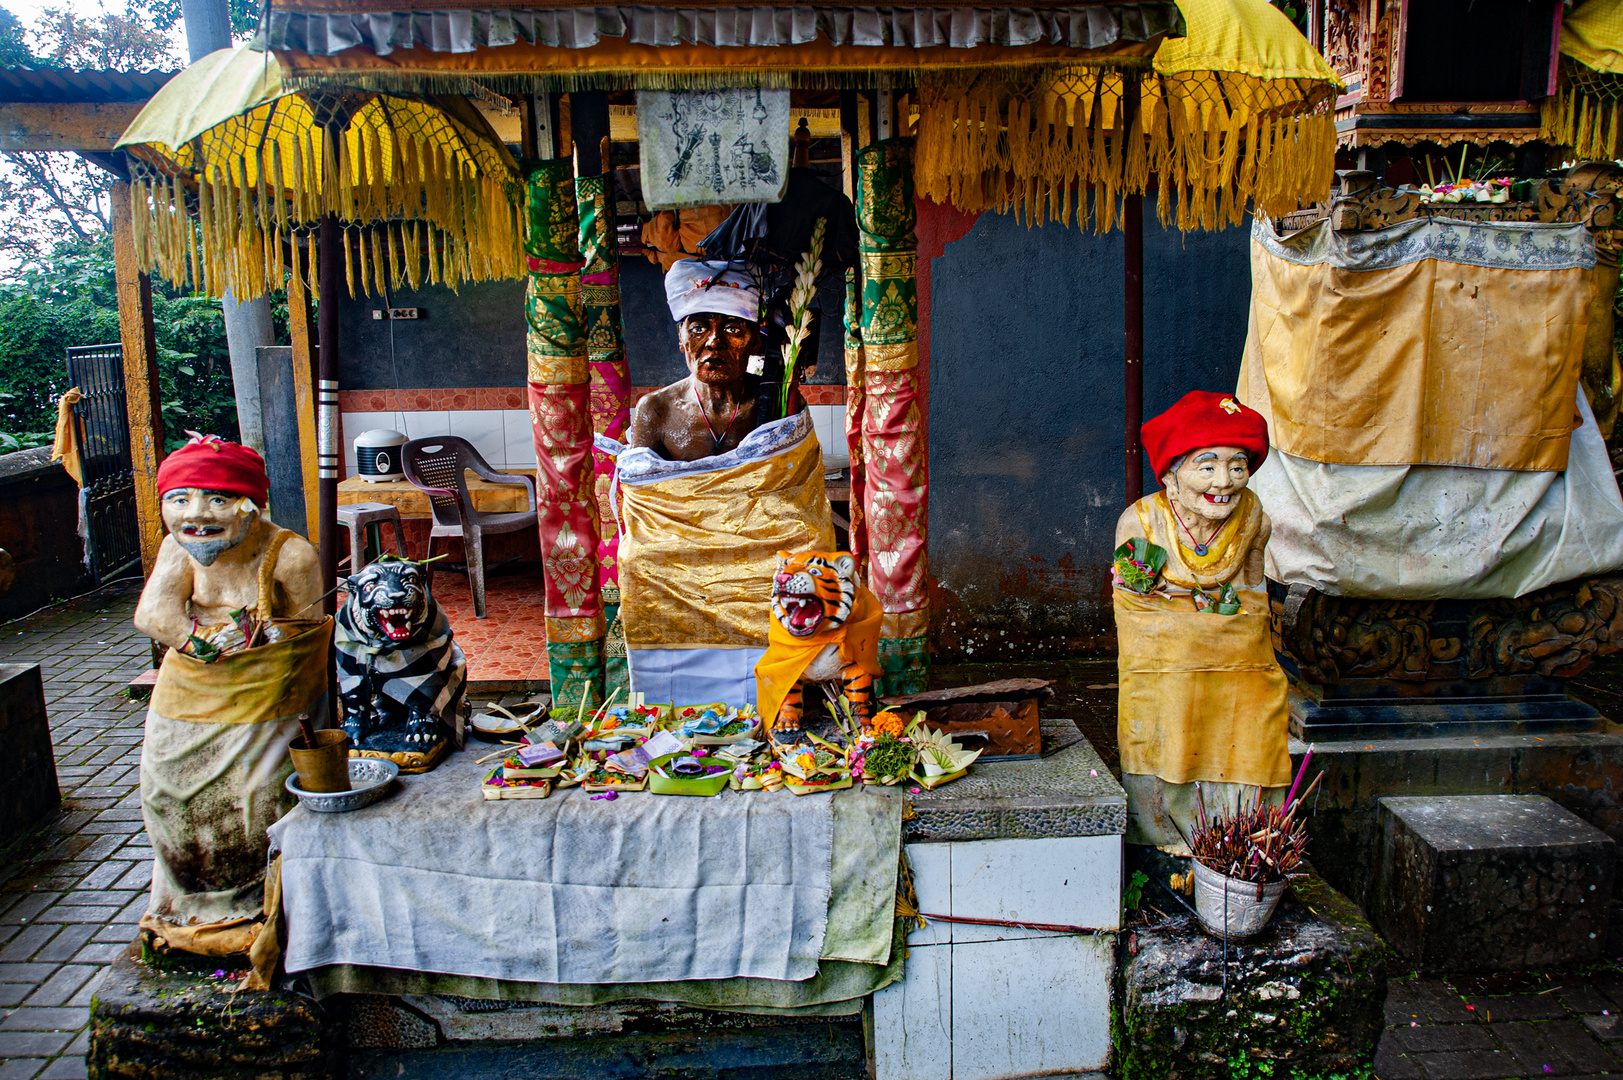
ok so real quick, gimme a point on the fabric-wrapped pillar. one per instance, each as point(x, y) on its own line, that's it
point(560, 416)
point(611, 393)
point(855, 372)
point(893, 458)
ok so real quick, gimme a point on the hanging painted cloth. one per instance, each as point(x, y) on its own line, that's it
point(1201, 696)
point(708, 147)
point(213, 760)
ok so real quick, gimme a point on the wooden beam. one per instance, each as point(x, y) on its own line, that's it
point(140, 341)
point(57, 126)
point(304, 394)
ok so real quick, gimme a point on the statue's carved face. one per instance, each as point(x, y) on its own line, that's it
point(716, 347)
point(207, 523)
point(1208, 481)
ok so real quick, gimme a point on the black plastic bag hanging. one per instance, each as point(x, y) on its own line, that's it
point(770, 238)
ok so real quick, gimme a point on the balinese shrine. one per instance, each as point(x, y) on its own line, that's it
point(670, 386)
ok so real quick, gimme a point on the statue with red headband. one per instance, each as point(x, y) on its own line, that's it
point(237, 600)
point(1202, 698)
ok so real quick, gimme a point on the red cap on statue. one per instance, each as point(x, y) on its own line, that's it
point(1202, 418)
point(211, 463)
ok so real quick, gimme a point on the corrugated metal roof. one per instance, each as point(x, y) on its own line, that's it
point(49, 85)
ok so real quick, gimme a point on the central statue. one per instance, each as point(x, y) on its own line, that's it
point(718, 313)
point(709, 491)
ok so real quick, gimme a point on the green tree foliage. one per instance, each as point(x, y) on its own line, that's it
point(70, 300)
point(56, 266)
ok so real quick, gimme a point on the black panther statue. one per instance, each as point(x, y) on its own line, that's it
point(400, 673)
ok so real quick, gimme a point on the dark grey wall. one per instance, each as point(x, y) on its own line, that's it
point(476, 337)
point(471, 338)
point(1026, 414)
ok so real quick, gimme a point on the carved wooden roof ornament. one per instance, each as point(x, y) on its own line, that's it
point(1359, 202)
point(1411, 79)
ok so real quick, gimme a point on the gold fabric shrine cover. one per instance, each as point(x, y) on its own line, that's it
point(1421, 384)
point(1432, 342)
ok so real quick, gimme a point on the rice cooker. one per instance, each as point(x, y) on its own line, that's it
point(377, 455)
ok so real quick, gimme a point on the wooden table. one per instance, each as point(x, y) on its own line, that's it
point(488, 498)
point(491, 498)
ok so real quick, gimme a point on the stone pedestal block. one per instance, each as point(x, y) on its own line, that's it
point(1480, 883)
point(173, 1021)
point(28, 788)
point(1303, 998)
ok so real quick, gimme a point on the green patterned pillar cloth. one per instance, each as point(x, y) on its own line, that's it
point(616, 675)
point(560, 418)
point(606, 349)
point(896, 489)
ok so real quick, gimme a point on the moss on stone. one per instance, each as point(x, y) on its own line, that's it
point(1304, 1000)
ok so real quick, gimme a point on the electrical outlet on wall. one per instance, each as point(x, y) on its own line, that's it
point(403, 313)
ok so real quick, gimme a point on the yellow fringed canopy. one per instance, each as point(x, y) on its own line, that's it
point(1238, 111)
point(230, 165)
point(1583, 114)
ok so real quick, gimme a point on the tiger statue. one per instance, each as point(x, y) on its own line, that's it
point(401, 675)
point(824, 629)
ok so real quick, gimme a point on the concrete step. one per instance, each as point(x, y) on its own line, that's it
point(1483, 883)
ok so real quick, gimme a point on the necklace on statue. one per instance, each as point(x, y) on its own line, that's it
point(1200, 549)
point(705, 413)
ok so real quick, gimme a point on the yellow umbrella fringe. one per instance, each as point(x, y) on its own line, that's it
point(349, 262)
point(379, 278)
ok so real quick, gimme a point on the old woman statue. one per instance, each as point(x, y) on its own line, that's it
point(236, 598)
point(1202, 699)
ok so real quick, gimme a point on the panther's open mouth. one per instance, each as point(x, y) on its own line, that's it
point(802, 613)
point(395, 622)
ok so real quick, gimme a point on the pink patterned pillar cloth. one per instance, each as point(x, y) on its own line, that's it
point(892, 413)
point(560, 417)
point(606, 349)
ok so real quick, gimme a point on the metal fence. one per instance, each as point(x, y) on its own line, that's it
point(113, 542)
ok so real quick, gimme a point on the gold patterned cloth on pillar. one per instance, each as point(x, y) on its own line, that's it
point(896, 478)
point(560, 416)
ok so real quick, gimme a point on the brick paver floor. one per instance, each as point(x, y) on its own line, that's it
point(72, 892)
point(1563, 1024)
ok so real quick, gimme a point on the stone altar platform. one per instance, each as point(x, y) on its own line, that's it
point(1034, 841)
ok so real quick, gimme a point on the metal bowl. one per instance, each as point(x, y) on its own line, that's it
point(370, 779)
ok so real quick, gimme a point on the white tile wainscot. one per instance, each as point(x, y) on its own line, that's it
point(1032, 841)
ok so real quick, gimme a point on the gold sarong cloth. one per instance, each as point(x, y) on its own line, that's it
point(213, 761)
point(699, 547)
point(1201, 695)
point(1393, 353)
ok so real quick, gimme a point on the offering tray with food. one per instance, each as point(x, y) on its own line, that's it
point(717, 725)
point(685, 773)
point(498, 786)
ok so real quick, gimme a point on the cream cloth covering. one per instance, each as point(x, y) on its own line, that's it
point(1416, 532)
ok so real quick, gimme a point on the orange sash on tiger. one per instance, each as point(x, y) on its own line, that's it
point(787, 656)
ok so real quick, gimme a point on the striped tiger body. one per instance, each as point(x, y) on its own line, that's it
point(812, 592)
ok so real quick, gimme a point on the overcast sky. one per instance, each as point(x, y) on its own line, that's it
point(29, 11)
